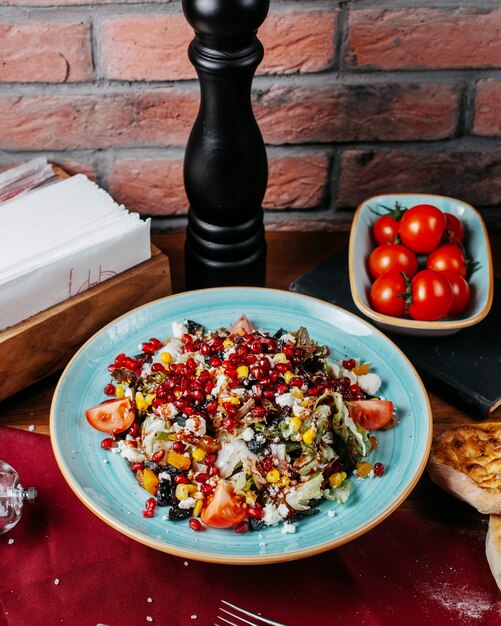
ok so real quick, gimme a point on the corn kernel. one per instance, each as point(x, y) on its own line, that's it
point(141, 403)
point(178, 460)
point(283, 482)
point(363, 469)
point(149, 398)
point(184, 491)
point(309, 436)
point(197, 508)
point(243, 371)
point(198, 454)
point(273, 476)
point(199, 371)
point(280, 358)
point(166, 358)
point(336, 480)
point(119, 391)
point(295, 424)
point(297, 393)
point(287, 376)
point(359, 370)
point(305, 404)
point(228, 343)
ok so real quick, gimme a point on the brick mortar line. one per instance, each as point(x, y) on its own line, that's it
point(353, 5)
point(263, 83)
point(100, 12)
point(469, 109)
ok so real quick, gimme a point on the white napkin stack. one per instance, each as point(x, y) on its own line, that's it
point(57, 241)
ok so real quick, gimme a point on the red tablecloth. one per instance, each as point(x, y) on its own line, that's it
point(409, 570)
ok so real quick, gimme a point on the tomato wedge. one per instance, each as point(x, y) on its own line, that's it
point(111, 416)
point(241, 326)
point(224, 509)
point(371, 414)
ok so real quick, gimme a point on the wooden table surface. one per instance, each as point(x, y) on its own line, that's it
point(289, 256)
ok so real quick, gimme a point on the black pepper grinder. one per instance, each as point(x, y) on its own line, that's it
point(225, 165)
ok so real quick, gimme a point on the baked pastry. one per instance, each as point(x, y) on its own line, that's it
point(493, 547)
point(466, 461)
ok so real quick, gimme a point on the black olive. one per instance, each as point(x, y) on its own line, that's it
point(256, 446)
point(256, 524)
point(299, 515)
point(166, 493)
point(178, 514)
point(153, 466)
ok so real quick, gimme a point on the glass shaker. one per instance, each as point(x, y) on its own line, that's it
point(12, 497)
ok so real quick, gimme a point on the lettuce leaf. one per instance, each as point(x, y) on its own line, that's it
point(299, 497)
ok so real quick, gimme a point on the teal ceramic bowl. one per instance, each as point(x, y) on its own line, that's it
point(476, 244)
point(105, 484)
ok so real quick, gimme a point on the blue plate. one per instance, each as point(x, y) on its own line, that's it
point(107, 487)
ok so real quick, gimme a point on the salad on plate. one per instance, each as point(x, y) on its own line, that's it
point(238, 428)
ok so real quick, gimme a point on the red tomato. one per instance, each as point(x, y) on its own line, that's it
point(431, 295)
point(460, 293)
point(422, 227)
point(224, 509)
point(447, 258)
point(111, 416)
point(385, 229)
point(371, 414)
point(241, 326)
point(390, 257)
point(454, 230)
point(384, 294)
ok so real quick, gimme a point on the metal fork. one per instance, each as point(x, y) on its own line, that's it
point(241, 620)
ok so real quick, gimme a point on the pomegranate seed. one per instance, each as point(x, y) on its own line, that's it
point(249, 359)
point(108, 443)
point(151, 503)
point(158, 401)
point(213, 470)
point(198, 396)
point(269, 394)
point(156, 342)
point(179, 447)
point(129, 363)
point(288, 350)
point(243, 527)
point(256, 512)
point(137, 466)
point(120, 358)
point(195, 524)
point(231, 409)
point(259, 411)
point(296, 381)
point(207, 489)
point(180, 479)
point(274, 376)
point(349, 364)
point(229, 423)
point(337, 467)
point(158, 367)
point(203, 477)
point(205, 349)
point(187, 338)
point(215, 361)
point(158, 456)
point(148, 348)
point(257, 391)
point(267, 464)
point(231, 372)
point(210, 458)
point(188, 410)
point(378, 469)
point(211, 407)
point(196, 345)
point(209, 386)
point(112, 367)
point(109, 390)
point(134, 430)
point(241, 350)
point(149, 513)
point(281, 389)
point(265, 381)
point(235, 360)
point(314, 391)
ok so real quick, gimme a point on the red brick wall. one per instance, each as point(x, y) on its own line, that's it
point(353, 98)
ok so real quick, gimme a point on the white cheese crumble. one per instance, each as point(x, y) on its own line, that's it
point(369, 383)
point(178, 330)
point(133, 455)
point(287, 337)
point(331, 513)
point(11, 541)
point(283, 510)
point(164, 476)
point(105, 461)
point(31, 427)
point(187, 503)
point(56, 581)
point(286, 399)
point(196, 424)
point(247, 434)
point(288, 528)
point(349, 374)
point(149, 618)
point(194, 617)
point(127, 392)
point(298, 410)
point(271, 515)
point(186, 563)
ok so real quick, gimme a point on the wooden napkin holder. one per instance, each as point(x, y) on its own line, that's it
point(45, 342)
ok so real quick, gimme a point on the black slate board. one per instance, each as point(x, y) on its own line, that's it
point(464, 367)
